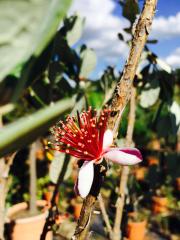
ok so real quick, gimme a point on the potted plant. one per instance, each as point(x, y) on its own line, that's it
point(77, 205)
point(160, 200)
point(48, 193)
point(152, 160)
point(136, 226)
point(28, 219)
point(140, 173)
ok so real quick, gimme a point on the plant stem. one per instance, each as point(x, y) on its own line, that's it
point(125, 171)
point(123, 92)
point(105, 215)
point(33, 177)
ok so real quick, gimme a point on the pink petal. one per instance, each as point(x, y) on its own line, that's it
point(124, 156)
point(107, 139)
point(85, 178)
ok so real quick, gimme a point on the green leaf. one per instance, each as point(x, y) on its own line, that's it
point(27, 27)
point(74, 34)
point(95, 99)
point(130, 10)
point(149, 96)
point(88, 62)
point(163, 65)
point(166, 125)
point(23, 131)
point(56, 167)
point(175, 109)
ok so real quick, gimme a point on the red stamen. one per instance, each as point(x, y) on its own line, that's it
point(82, 137)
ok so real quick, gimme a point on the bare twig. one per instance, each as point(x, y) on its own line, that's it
point(125, 171)
point(105, 215)
point(33, 178)
point(122, 95)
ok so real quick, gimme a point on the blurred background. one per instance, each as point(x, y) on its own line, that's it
point(61, 56)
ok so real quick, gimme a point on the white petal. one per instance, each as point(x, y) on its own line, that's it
point(126, 156)
point(108, 139)
point(85, 178)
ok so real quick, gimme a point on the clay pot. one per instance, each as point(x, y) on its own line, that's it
point(140, 173)
point(178, 183)
point(48, 195)
point(77, 205)
point(160, 204)
point(136, 230)
point(152, 160)
point(28, 227)
point(77, 210)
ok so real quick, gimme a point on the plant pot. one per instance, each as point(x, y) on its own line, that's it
point(77, 210)
point(136, 230)
point(77, 205)
point(140, 173)
point(49, 193)
point(152, 160)
point(160, 204)
point(27, 227)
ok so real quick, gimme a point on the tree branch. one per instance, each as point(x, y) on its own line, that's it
point(122, 94)
point(105, 215)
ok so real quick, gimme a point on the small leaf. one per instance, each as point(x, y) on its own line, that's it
point(88, 62)
point(120, 36)
point(164, 65)
point(56, 167)
point(152, 41)
point(175, 109)
point(149, 96)
point(74, 34)
point(166, 125)
point(130, 10)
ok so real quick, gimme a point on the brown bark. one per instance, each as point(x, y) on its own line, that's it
point(121, 96)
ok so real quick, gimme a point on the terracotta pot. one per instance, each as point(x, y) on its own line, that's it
point(140, 173)
point(28, 227)
point(48, 195)
point(178, 183)
point(160, 204)
point(77, 209)
point(152, 160)
point(136, 230)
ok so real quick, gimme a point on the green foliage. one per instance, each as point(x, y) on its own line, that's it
point(74, 28)
point(30, 25)
point(56, 167)
point(88, 62)
point(26, 129)
point(130, 10)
